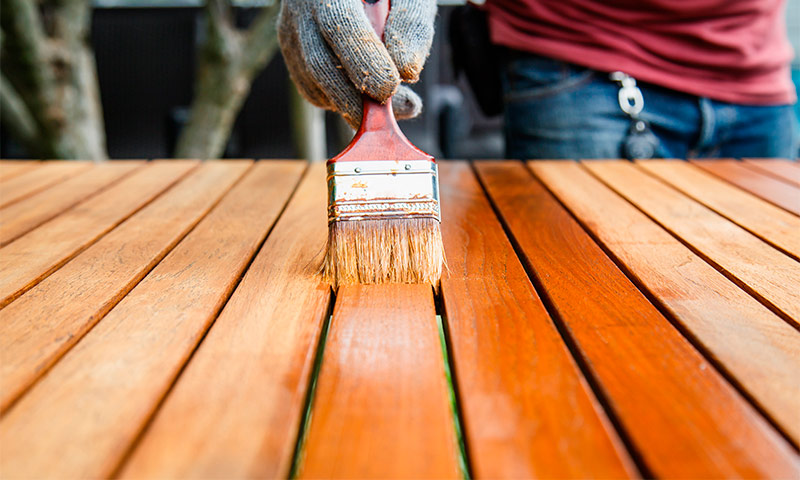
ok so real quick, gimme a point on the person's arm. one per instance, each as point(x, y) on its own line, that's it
point(334, 56)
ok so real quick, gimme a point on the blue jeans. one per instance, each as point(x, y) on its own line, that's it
point(557, 110)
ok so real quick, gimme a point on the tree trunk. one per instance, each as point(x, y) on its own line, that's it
point(228, 62)
point(48, 91)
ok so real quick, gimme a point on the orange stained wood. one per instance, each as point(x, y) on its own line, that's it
point(528, 412)
point(11, 168)
point(766, 272)
point(683, 418)
point(39, 327)
point(37, 179)
point(235, 410)
point(754, 346)
point(35, 255)
point(381, 407)
point(769, 188)
point(788, 171)
point(103, 391)
point(774, 225)
point(27, 214)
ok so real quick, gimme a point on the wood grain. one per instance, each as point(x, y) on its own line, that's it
point(236, 408)
point(39, 327)
point(27, 214)
point(11, 168)
point(528, 412)
point(764, 271)
point(681, 415)
point(770, 189)
point(381, 408)
point(764, 220)
point(104, 390)
point(35, 255)
point(788, 171)
point(754, 346)
point(36, 180)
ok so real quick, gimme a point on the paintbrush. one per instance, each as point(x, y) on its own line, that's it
point(383, 200)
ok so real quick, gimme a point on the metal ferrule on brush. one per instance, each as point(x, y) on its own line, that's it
point(383, 189)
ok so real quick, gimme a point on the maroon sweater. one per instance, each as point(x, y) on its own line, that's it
point(731, 50)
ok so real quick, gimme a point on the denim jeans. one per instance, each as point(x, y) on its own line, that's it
point(558, 110)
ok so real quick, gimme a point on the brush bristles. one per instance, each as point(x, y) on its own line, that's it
point(384, 251)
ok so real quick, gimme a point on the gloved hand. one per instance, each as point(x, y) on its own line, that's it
point(334, 55)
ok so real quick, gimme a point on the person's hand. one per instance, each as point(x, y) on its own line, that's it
point(334, 55)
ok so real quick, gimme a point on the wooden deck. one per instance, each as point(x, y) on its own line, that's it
point(165, 319)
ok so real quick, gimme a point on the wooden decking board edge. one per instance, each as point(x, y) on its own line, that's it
point(668, 313)
point(633, 450)
point(753, 164)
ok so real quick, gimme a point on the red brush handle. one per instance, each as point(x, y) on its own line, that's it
point(379, 137)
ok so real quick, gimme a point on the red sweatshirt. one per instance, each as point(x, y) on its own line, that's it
point(731, 50)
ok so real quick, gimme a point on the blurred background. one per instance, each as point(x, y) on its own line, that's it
point(147, 54)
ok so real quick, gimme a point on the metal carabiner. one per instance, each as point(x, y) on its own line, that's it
point(630, 97)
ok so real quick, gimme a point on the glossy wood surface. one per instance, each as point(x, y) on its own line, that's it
point(171, 322)
point(35, 180)
point(764, 271)
point(381, 407)
point(684, 419)
point(752, 344)
point(517, 381)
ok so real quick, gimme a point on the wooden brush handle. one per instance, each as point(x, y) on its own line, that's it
point(377, 116)
point(379, 137)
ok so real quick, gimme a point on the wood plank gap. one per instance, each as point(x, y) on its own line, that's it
point(102, 392)
point(632, 449)
point(302, 431)
point(770, 189)
point(782, 169)
point(452, 386)
point(686, 418)
point(25, 215)
point(773, 346)
point(34, 256)
point(752, 275)
point(250, 374)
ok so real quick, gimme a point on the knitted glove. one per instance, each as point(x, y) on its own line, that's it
point(334, 55)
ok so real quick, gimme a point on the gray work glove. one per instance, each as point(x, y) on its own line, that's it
point(334, 55)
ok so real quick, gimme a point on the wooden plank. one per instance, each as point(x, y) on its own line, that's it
point(236, 409)
point(528, 412)
point(786, 170)
point(381, 408)
point(104, 390)
point(35, 255)
point(683, 418)
point(757, 349)
point(763, 271)
point(27, 214)
point(36, 180)
point(770, 189)
point(12, 168)
point(764, 220)
point(39, 327)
